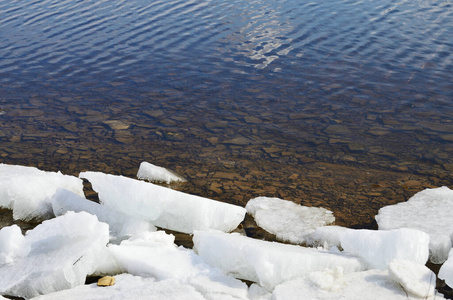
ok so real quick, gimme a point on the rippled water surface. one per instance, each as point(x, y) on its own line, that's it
point(342, 104)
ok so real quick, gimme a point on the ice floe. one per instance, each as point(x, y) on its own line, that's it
point(288, 221)
point(27, 191)
point(120, 225)
point(379, 247)
point(61, 253)
point(155, 173)
point(164, 207)
point(267, 263)
point(431, 211)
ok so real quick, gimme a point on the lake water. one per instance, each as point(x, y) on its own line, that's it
point(343, 104)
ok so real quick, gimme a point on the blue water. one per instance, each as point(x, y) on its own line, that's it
point(213, 84)
point(207, 44)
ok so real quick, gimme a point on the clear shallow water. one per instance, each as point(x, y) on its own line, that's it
point(344, 104)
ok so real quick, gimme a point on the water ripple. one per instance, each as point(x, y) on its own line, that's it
point(392, 39)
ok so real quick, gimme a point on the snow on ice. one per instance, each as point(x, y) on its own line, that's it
point(120, 224)
point(155, 173)
point(28, 191)
point(431, 211)
point(287, 220)
point(164, 207)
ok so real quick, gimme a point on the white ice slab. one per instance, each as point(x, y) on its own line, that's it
point(155, 173)
point(431, 211)
point(446, 271)
point(164, 207)
point(27, 190)
point(120, 224)
point(128, 286)
point(62, 252)
point(288, 221)
point(266, 263)
point(379, 247)
point(333, 285)
point(326, 237)
point(415, 278)
point(12, 244)
point(153, 254)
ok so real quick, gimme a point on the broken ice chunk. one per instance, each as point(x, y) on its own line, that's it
point(414, 277)
point(120, 224)
point(446, 271)
point(431, 211)
point(151, 254)
point(63, 251)
point(379, 247)
point(267, 263)
point(27, 190)
point(154, 254)
point(12, 244)
point(164, 207)
point(288, 221)
point(155, 173)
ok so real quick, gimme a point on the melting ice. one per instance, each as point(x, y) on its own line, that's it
point(53, 260)
point(164, 207)
point(431, 211)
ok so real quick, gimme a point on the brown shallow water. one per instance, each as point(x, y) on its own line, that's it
point(352, 179)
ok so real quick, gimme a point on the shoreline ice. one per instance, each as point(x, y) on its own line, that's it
point(431, 211)
point(155, 173)
point(27, 191)
point(53, 260)
point(287, 220)
point(164, 207)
